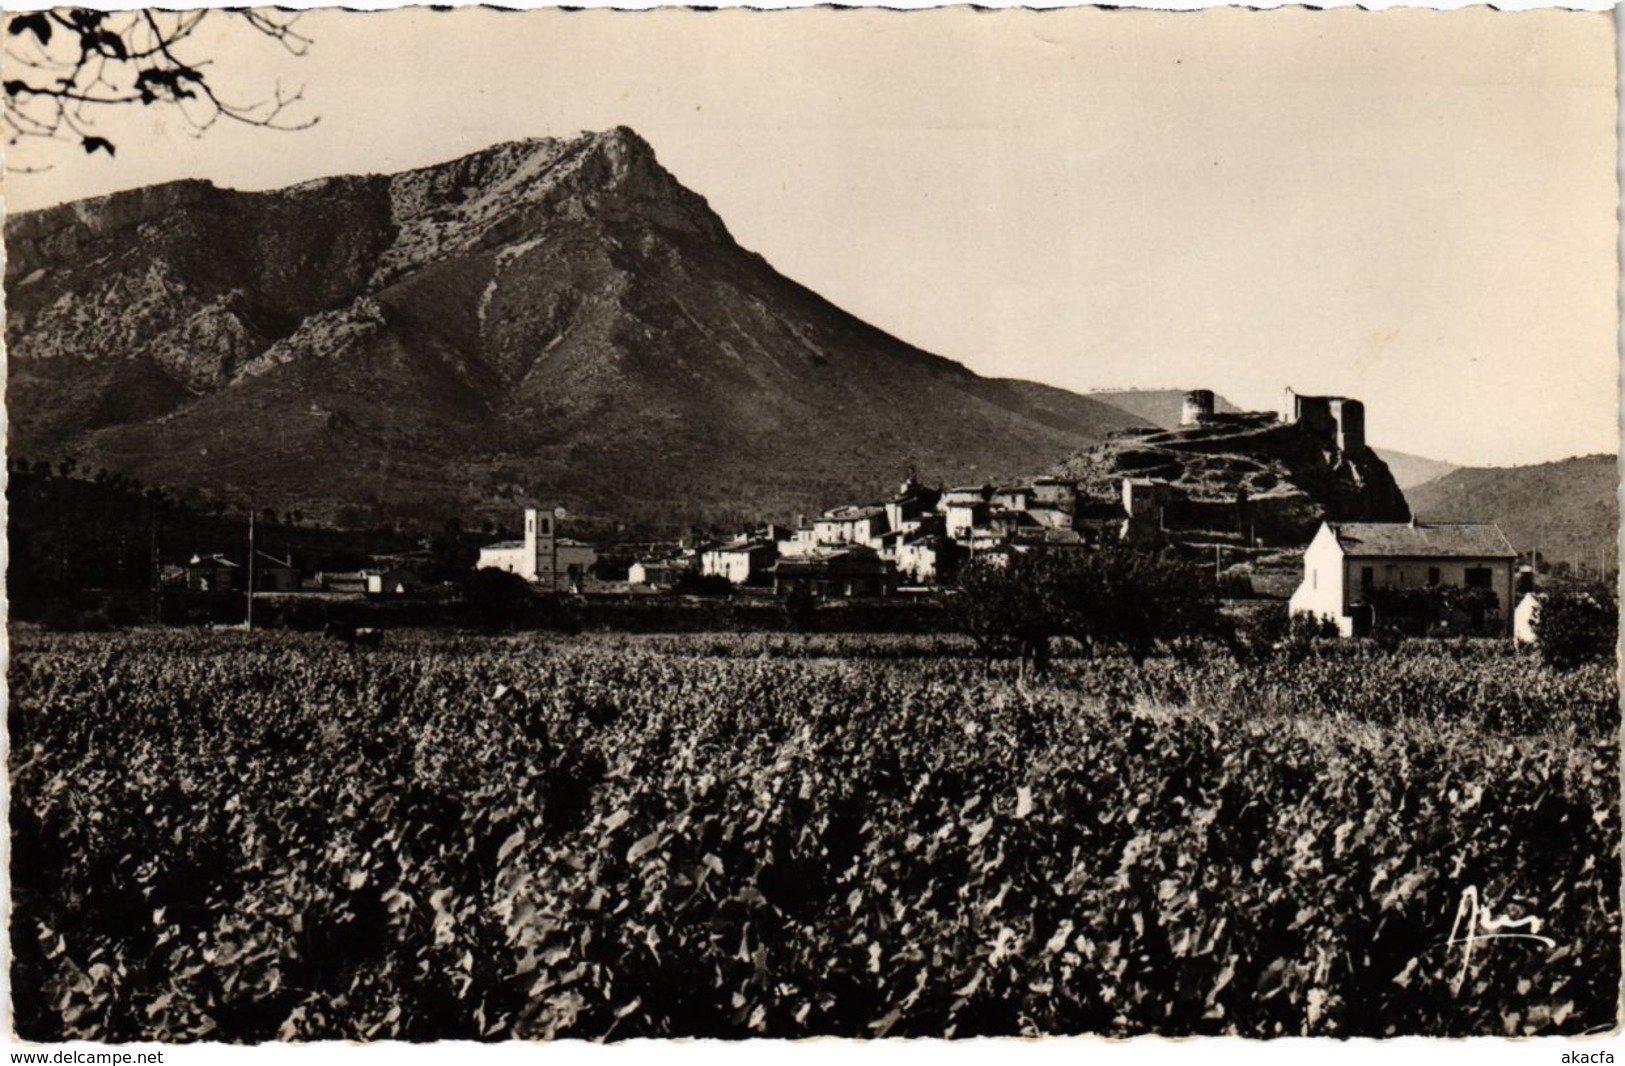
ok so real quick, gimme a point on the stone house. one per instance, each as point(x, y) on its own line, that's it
point(212, 573)
point(855, 570)
point(856, 524)
point(658, 573)
point(743, 560)
point(272, 574)
point(912, 504)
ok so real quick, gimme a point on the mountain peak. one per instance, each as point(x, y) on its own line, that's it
point(560, 316)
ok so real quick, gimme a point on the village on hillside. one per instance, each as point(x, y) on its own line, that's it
point(688, 526)
point(1336, 568)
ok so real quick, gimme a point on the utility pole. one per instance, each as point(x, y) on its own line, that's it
point(250, 566)
point(558, 516)
point(157, 567)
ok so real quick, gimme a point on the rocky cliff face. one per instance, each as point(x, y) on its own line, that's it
point(555, 320)
point(194, 278)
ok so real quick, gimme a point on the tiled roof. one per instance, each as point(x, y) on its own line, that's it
point(1050, 536)
point(852, 513)
point(1479, 540)
point(841, 562)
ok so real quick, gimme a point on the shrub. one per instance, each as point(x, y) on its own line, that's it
point(1577, 626)
point(1260, 632)
point(1387, 637)
point(801, 609)
point(1132, 600)
point(1302, 633)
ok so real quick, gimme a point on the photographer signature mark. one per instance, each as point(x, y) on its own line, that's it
point(1475, 923)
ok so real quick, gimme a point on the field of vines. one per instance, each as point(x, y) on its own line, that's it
point(252, 837)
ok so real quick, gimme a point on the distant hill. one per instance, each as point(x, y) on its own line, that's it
point(1412, 470)
point(1160, 407)
point(557, 321)
point(1568, 510)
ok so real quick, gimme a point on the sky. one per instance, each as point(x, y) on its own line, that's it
point(1415, 208)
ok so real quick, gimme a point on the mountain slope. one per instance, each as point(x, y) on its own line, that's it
point(1567, 510)
point(552, 320)
point(1412, 470)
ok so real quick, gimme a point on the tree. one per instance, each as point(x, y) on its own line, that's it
point(63, 67)
point(496, 599)
point(1013, 607)
point(801, 608)
point(1109, 597)
point(450, 557)
point(1576, 626)
point(1133, 599)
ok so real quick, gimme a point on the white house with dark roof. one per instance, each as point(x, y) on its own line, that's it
point(746, 557)
point(858, 524)
point(1346, 559)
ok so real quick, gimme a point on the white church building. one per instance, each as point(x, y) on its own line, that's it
point(543, 556)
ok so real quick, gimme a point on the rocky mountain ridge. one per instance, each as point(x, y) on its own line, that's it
point(555, 320)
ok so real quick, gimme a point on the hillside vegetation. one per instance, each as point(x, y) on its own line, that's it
point(1567, 510)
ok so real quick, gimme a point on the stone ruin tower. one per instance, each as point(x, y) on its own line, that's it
point(1336, 420)
point(1198, 407)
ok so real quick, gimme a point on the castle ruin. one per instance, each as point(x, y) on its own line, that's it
point(1197, 408)
point(1336, 420)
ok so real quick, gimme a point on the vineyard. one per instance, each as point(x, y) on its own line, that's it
point(250, 837)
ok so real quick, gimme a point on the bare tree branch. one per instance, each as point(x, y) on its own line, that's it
point(63, 66)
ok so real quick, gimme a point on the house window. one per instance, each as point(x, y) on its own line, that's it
point(1314, 579)
point(1368, 577)
point(1433, 576)
point(1477, 577)
point(545, 524)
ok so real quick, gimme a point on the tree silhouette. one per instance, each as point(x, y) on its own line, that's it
point(65, 66)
